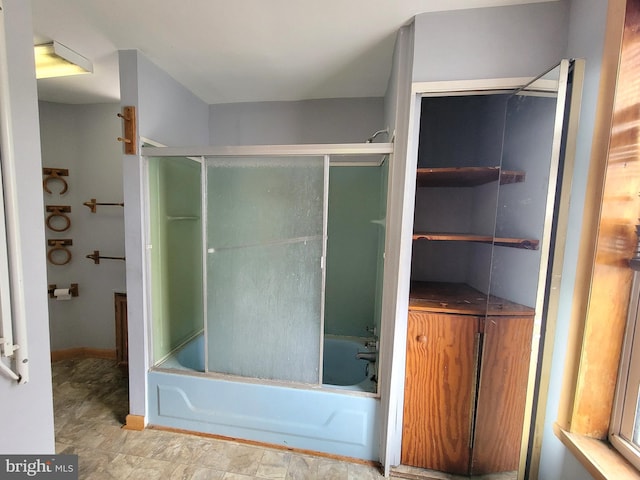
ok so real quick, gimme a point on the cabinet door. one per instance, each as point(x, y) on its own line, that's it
point(439, 391)
point(502, 393)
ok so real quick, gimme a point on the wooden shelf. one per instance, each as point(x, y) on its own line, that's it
point(466, 176)
point(524, 243)
point(459, 298)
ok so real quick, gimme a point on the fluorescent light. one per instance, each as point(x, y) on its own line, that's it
point(56, 60)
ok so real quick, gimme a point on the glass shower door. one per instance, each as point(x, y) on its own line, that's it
point(265, 244)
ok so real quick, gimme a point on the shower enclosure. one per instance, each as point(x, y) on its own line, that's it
point(266, 275)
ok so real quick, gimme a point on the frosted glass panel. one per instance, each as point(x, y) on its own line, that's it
point(265, 243)
point(176, 256)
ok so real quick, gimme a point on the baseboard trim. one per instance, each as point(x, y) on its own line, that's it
point(83, 352)
point(134, 422)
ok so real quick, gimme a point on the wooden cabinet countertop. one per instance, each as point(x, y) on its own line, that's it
point(459, 298)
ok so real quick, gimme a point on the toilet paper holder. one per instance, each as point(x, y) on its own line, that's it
point(73, 290)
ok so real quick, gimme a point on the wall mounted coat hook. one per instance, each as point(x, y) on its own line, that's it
point(58, 212)
point(55, 174)
point(128, 117)
point(93, 203)
point(96, 257)
point(59, 245)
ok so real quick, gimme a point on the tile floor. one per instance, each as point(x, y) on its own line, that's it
point(412, 473)
point(90, 405)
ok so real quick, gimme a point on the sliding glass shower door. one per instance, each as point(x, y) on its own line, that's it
point(264, 247)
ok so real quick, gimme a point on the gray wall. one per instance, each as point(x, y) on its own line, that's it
point(26, 415)
point(395, 290)
point(340, 120)
point(587, 24)
point(167, 113)
point(512, 41)
point(82, 138)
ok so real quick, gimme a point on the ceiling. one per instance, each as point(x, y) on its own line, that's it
point(228, 51)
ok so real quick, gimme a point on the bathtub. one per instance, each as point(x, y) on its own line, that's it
point(340, 367)
point(339, 418)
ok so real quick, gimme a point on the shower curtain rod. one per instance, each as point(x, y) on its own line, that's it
point(340, 149)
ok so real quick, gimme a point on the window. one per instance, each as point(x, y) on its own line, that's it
point(625, 423)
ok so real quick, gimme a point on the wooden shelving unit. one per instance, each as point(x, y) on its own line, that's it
point(466, 176)
point(471, 177)
point(525, 243)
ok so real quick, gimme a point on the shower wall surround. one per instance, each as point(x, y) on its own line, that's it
point(176, 225)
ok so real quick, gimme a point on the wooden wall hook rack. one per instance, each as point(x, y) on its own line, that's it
point(55, 174)
point(93, 203)
point(73, 290)
point(128, 117)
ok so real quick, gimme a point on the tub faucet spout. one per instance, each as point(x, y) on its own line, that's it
point(369, 356)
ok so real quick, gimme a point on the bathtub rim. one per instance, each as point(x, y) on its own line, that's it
point(341, 389)
point(263, 381)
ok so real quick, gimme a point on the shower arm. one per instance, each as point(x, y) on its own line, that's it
point(379, 132)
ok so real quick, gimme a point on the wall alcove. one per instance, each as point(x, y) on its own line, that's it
point(488, 210)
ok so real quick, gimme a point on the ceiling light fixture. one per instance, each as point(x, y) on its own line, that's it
point(55, 60)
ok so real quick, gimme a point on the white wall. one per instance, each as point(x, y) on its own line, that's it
point(170, 114)
point(82, 138)
point(340, 120)
point(26, 412)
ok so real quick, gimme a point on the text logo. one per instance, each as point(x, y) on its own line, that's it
point(52, 467)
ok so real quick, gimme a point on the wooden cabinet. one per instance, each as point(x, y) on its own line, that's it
point(122, 344)
point(502, 393)
point(439, 390)
point(466, 380)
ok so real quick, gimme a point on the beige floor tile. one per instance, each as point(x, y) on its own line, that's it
point(244, 459)
point(194, 472)
point(332, 470)
point(363, 472)
point(237, 476)
point(273, 465)
point(151, 469)
point(302, 467)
